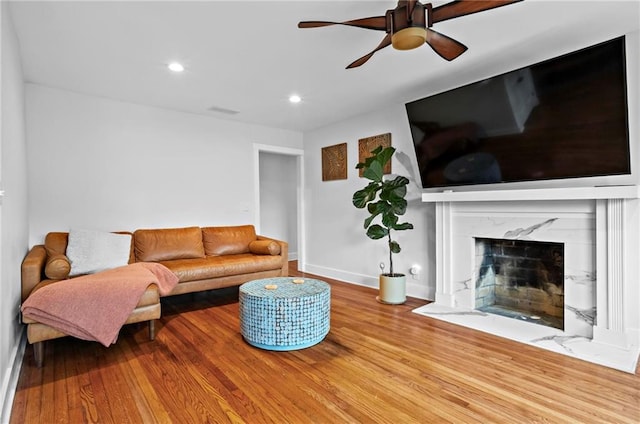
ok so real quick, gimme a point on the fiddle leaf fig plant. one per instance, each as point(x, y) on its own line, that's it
point(384, 199)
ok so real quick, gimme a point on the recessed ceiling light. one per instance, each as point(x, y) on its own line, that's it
point(176, 67)
point(294, 98)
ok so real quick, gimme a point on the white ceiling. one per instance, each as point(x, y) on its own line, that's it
point(250, 56)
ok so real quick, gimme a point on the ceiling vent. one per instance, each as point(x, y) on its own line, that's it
point(223, 110)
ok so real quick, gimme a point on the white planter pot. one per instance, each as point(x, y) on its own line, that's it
point(392, 290)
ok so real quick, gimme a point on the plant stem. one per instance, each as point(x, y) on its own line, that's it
point(390, 255)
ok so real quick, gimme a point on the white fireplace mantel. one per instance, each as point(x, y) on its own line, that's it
point(563, 193)
point(600, 227)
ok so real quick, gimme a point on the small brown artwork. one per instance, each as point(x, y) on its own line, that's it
point(334, 162)
point(366, 145)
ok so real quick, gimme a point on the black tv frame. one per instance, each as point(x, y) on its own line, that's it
point(581, 179)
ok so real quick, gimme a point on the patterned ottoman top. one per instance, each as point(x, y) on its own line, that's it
point(284, 287)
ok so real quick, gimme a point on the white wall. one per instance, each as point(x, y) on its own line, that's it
point(103, 164)
point(278, 201)
point(337, 245)
point(13, 210)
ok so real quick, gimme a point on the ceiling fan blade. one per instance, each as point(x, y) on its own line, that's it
point(386, 41)
point(446, 47)
point(375, 22)
point(411, 4)
point(462, 8)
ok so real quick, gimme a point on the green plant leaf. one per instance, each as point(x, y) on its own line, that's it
point(389, 220)
point(398, 181)
point(403, 226)
point(374, 172)
point(368, 221)
point(394, 247)
point(399, 206)
point(376, 151)
point(379, 207)
point(367, 161)
point(384, 155)
point(393, 189)
point(377, 232)
point(365, 195)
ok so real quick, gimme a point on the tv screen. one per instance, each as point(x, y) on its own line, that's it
point(561, 118)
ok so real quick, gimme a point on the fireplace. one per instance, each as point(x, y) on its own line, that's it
point(520, 279)
point(583, 280)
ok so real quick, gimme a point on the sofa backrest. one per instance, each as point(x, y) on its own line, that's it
point(153, 245)
point(220, 241)
point(163, 244)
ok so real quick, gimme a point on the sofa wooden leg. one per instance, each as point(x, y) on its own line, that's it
point(38, 353)
point(152, 329)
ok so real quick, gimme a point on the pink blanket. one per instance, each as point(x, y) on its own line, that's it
point(95, 307)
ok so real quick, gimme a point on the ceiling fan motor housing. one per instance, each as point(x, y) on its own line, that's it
point(408, 27)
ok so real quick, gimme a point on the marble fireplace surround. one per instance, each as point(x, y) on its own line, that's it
point(600, 229)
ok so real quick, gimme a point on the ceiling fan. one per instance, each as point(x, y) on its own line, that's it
point(409, 26)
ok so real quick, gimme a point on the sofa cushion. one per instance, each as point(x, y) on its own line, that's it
point(91, 251)
point(228, 240)
point(264, 247)
point(57, 267)
point(222, 266)
point(168, 244)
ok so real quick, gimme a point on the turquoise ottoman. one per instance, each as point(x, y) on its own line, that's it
point(284, 313)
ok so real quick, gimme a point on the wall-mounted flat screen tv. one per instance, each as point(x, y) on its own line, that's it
point(562, 118)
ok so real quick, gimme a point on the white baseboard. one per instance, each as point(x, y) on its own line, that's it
point(10, 378)
point(414, 288)
point(293, 256)
point(336, 274)
point(418, 289)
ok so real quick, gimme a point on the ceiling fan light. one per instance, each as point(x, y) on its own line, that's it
point(409, 38)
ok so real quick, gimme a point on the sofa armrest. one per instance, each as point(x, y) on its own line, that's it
point(32, 269)
point(284, 252)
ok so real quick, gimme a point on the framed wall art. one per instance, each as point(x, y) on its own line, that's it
point(366, 145)
point(334, 162)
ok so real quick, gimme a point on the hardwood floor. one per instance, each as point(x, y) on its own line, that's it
point(379, 363)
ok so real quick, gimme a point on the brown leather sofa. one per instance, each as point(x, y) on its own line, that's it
point(202, 259)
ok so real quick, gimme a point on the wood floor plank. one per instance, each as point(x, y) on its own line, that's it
point(141, 390)
point(379, 363)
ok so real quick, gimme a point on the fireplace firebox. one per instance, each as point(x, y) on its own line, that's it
point(521, 279)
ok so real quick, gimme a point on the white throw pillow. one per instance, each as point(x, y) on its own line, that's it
point(92, 251)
